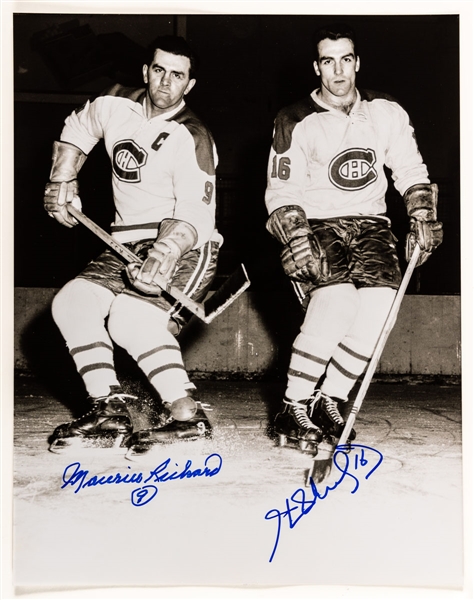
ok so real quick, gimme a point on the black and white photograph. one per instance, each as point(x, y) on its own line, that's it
point(236, 283)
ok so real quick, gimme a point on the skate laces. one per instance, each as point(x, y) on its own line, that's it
point(166, 417)
point(300, 414)
point(329, 406)
point(119, 396)
point(113, 395)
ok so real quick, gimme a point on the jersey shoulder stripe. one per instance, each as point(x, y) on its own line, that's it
point(118, 91)
point(288, 118)
point(121, 91)
point(371, 95)
point(203, 140)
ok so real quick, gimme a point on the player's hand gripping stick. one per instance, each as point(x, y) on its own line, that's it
point(207, 310)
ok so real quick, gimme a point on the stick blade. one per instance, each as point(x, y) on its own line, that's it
point(322, 462)
point(320, 470)
point(222, 298)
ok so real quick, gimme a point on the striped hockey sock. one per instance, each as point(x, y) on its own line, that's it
point(352, 355)
point(95, 364)
point(307, 364)
point(328, 318)
point(141, 329)
point(79, 310)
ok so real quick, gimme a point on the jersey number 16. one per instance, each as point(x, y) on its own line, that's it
point(281, 168)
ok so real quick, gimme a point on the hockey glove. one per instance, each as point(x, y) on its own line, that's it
point(425, 230)
point(303, 258)
point(175, 239)
point(62, 187)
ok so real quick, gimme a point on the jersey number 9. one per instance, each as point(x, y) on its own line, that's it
point(208, 189)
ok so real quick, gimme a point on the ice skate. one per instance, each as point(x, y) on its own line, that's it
point(171, 428)
point(294, 424)
point(107, 424)
point(325, 412)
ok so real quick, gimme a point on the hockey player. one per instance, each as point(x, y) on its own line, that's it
point(326, 202)
point(163, 162)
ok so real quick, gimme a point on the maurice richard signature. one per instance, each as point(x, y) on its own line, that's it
point(75, 476)
point(364, 458)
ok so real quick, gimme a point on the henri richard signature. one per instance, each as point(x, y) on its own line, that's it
point(300, 503)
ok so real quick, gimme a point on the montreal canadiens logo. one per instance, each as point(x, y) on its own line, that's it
point(127, 158)
point(353, 169)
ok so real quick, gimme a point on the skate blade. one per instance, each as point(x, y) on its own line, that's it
point(187, 447)
point(295, 443)
point(76, 445)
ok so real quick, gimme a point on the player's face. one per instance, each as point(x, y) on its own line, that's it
point(167, 80)
point(337, 66)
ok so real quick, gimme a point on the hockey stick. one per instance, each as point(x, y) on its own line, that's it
point(208, 310)
point(322, 465)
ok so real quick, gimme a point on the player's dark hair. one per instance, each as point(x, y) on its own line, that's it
point(174, 45)
point(336, 31)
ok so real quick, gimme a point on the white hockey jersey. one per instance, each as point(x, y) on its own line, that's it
point(332, 164)
point(162, 167)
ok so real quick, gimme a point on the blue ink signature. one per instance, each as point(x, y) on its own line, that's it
point(300, 505)
point(143, 495)
point(79, 478)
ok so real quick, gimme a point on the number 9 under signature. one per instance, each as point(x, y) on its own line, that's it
point(143, 495)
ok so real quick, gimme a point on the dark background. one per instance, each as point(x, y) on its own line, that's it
point(252, 65)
